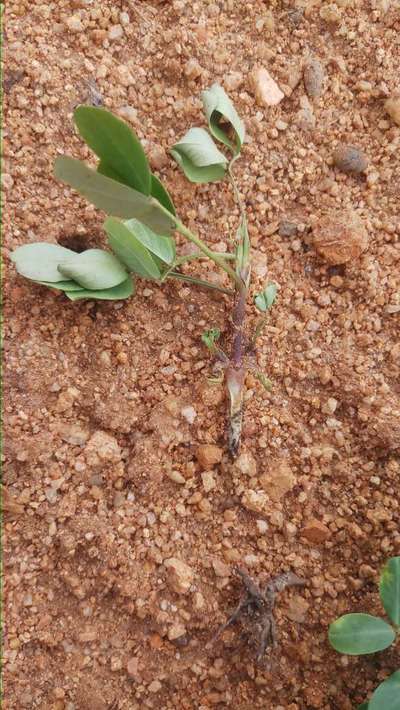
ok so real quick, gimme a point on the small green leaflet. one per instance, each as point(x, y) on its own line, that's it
point(387, 694)
point(117, 146)
point(266, 298)
point(199, 157)
point(130, 249)
point(62, 285)
point(39, 261)
point(123, 290)
point(94, 269)
point(357, 634)
point(389, 589)
point(161, 247)
point(161, 194)
point(210, 337)
point(222, 118)
point(113, 197)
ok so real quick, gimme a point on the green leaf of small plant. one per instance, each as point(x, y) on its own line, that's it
point(358, 634)
point(94, 269)
point(163, 248)
point(387, 694)
point(161, 194)
point(62, 285)
point(210, 337)
point(389, 589)
point(129, 248)
point(223, 120)
point(39, 261)
point(117, 293)
point(116, 145)
point(199, 157)
point(111, 196)
point(266, 298)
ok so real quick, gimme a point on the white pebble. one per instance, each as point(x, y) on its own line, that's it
point(189, 413)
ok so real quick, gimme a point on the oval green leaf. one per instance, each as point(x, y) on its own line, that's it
point(116, 145)
point(117, 293)
point(113, 197)
point(161, 194)
point(357, 634)
point(387, 694)
point(223, 119)
point(39, 261)
point(94, 269)
point(62, 285)
point(266, 298)
point(389, 589)
point(199, 157)
point(161, 247)
point(130, 249)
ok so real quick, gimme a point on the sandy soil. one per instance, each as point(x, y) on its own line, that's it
point(121, 534)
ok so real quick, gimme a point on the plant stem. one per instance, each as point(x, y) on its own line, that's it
point(199, 282)
point(214, 256)
point(236, 372)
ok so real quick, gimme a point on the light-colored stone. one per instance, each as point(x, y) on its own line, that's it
point(102, 449)
point(208, 481)
point(189, 413)
point(297, 609)
point(115, 32)
point(176, 477)
point(256, 501)
point(193, 69)
point(267, 91)
point(392, 107)
point(176, 631)
point(128, 112)
point(315, 532)
point(74, 23)
point(340, 236)
point(220, 568)
point(208, 455)
point(73, 434)
point(278, 481)
point(179, 575)
point(233, 80)
point(246, 464)
point(132, 668)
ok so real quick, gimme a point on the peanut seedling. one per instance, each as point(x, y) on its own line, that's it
point(139, 228)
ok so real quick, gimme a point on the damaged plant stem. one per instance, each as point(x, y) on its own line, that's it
point(142, 218)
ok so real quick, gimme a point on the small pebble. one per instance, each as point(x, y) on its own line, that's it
point(313, 77)
point(340, 236)
point(115, 32)
point(287, 229)
point(350, 159)
point(392, 107)
point(266, 90)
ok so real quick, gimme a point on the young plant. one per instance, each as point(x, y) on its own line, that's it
point(141, 220)
point(358, 634)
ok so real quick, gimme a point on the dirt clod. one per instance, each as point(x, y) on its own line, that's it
point(340, 236)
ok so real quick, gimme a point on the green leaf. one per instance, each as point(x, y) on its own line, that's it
point(387, 694)
point(130, 249)
point(364, 706)
point(266, 298)
point(62, 285)
point(357, 634)
point(39, 261)
point(116, 145)
point(389, 589)
point(94, 269)
point(222, 117)
point(160, 193)
point(199, 157)
point(210, 337)
point(111, 196)
point(161, 247)
point(123, 290)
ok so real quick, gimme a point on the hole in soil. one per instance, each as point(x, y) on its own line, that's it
point(76, 242)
